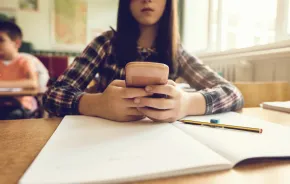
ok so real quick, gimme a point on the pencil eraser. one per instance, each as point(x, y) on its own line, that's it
point(215, 121)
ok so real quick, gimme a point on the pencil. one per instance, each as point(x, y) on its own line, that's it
point(248, 129)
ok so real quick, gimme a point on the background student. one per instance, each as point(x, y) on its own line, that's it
point(16, 71)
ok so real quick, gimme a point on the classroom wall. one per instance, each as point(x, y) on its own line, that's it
point(8, 3)
point(101, 15)
point(37, 26)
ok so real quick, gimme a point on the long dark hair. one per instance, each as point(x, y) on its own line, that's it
point(127, 34)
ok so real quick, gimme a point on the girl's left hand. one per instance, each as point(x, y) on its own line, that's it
point(169, 109)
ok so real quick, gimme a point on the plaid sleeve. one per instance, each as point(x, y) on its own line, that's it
point(220, 94)
point(62, 98)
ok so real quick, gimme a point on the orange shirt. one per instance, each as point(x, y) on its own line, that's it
point(17, 70)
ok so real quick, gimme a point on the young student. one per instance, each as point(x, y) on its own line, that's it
point(16, 71)
point(146, 31)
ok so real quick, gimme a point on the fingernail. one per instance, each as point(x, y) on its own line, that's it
point(137, 100)
point(148, 88)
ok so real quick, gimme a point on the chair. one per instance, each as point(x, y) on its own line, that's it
point(43, 75)
point(43, 79)
point(55, 65)
point(256, 93)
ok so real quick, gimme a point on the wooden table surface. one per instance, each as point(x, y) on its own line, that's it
point(22, 140)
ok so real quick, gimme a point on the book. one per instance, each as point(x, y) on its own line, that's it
point(10, 89)
point(94, 150)
point(278, 106)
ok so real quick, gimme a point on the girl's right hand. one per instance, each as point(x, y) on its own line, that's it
point(117, 102)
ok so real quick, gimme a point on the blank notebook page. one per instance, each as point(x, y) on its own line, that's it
point(238, 145)
point(93, 150)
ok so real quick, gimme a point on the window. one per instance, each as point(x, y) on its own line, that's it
point(234, 24)
point(247, 23)
point(288, 30)
point(213, 24)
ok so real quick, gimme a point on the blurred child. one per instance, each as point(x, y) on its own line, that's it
point(16, 71)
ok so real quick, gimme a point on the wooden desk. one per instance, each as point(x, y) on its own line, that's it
point(21, 141)
point(25, 92)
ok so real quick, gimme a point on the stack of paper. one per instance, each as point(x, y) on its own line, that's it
point(278, 106)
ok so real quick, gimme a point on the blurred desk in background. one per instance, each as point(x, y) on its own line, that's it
point(21, 92)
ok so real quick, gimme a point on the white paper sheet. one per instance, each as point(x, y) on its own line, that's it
point(93, 150)
point(236, 145)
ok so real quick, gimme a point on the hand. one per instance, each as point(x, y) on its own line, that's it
point(117, 102)
point(164, 109)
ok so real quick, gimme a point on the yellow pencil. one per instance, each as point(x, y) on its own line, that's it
point(249, 129)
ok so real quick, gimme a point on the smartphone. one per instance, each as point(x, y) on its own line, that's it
point(141, 74)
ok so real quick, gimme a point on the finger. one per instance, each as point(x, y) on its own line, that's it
point(156, 114)
point(157, 103)
point(133, 92)
point(132, 103)
point(170, 120)
point(162, 89)
point(134, 118)
point(134, 112)
point(171, 82)
point(118, 83)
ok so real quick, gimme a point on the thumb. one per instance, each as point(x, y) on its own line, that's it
point(171, 82)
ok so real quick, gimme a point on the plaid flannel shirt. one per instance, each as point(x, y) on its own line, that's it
point(97, 62)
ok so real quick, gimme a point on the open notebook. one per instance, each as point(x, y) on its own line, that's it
point(93, 150)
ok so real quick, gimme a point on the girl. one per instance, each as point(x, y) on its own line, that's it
point(146, 31)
